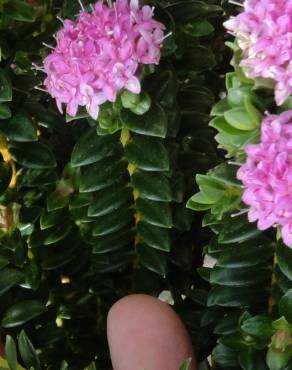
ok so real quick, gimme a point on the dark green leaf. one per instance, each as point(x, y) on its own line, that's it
point(236, 297)
point(5, 111)
point(8, 278)
point(198, 28)
point(152, 259)
point(91, 148)
point(32, 155)
point(5, 88)
point(27, 352)
point(102, 174)
point(147, 153)
point(20, 11)
point(11, 352)
point(153, 186)
point(19, 128)
point(113, 242)
point(258, 326)
point(183, 11)
point(155, 213)
point(152, 123)
point(285, 306)
point(113, 221)
point(240, 277)
point(109, 199)
point(155, 237)
point(22, 312)
point(284, 257)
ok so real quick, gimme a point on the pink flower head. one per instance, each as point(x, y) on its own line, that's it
point(264, 33)
point(98, 55)
point(267, 176)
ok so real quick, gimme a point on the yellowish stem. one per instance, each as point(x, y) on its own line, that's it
point(7, 158)
point(125, 138)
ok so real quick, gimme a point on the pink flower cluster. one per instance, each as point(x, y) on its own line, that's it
point(264, 33)
point(267, 176)
point(98, 55)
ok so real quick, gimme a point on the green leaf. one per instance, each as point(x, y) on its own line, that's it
point(110, 199)
point(27, 352)
point(8, 278)
point(11, 352)
point(5, 111)
point(251, 359)
point(20, 11)
point(246, 254)
point(54, 235)
point(138, 104)
point(19, 128)
point(237, 230)
point(32, 275)
point(240, 277)
point(154, 260)
point(147, 153)
point(198, 28)
point(277, 359)
point(113, 242)
point(236, 297)
point(56, 201)
point(129, 99)
point(199, 58)
point(50, 219)
point(225, 356)
point(285, 306)
point(32, 155)
point(240, 119)
point(113, 221)
point(220, 124)
point(22, 312)
point(258, 326)
point(155, 237)
point(186, 365)
point(91, 148)
point(155, 213)
point(3, 262)
point(284, 257)
point(184, 11)
point(5, 88)
point(152, 123)
point(153, 186)
point(102, 174)
point(220, 108)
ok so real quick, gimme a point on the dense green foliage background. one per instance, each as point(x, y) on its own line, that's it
point(92, 211)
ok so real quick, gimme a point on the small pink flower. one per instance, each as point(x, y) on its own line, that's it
point(264, 33)
point(267, 176)
point(99, 54)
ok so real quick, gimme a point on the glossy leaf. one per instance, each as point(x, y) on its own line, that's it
point(147, 153)
point(151, 123)
point(22, 312)
point(8, 278)
point(32, 155)
point(27, 352)
point(91, 148)
point(155, 213)
point(19, 128)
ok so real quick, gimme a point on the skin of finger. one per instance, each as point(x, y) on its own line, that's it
point(145, 333)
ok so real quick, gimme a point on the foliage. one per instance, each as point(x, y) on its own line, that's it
point(94, 210)
point(249, 304)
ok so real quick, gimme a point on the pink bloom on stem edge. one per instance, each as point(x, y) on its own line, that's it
point(99, 54)
point(267, 176)
point(264, 33)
